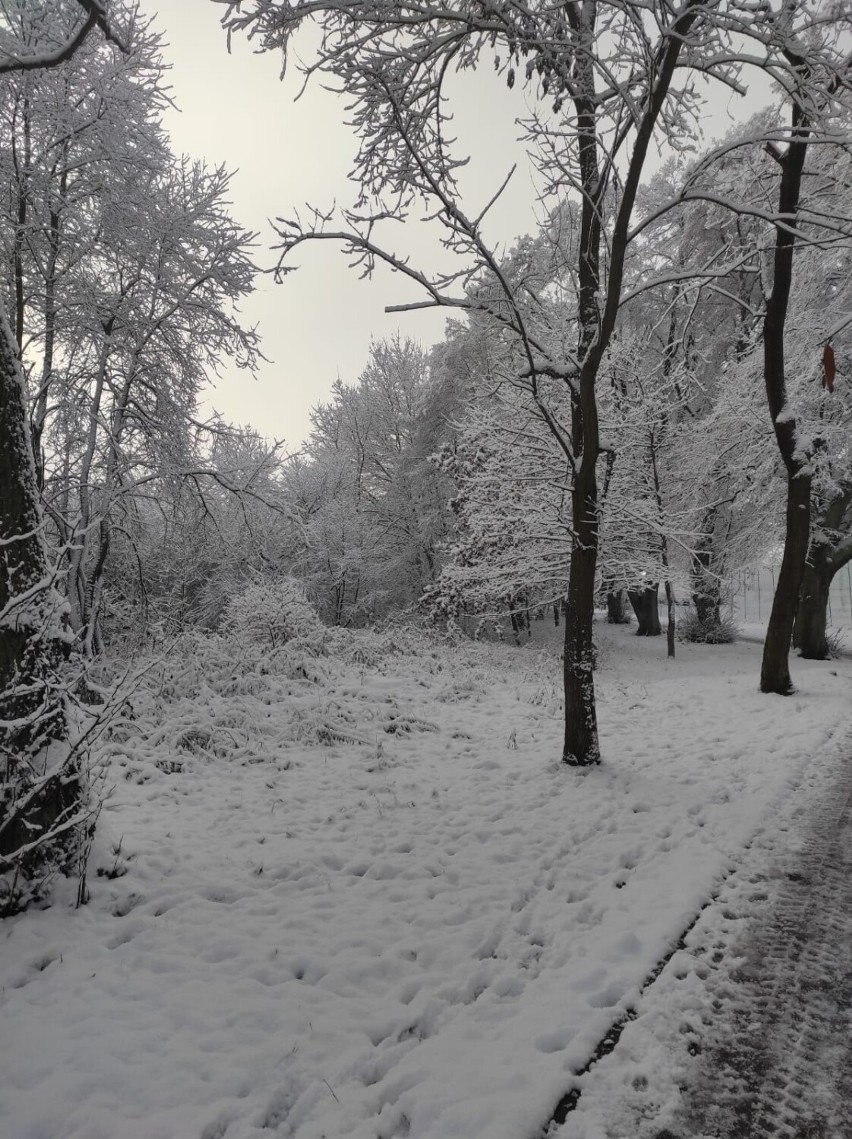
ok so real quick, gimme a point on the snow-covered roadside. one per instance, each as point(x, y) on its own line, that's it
point(365, 899)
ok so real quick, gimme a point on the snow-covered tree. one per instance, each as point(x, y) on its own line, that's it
point(45, 808)
point(124, 272)
point(606, 84)
point(372, 507)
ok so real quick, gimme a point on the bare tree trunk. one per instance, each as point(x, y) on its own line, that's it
point(596, 326)
point(706, 585)
point(23, 559)
point(22, 166)
point(809, 631)
point(775, 667)
point(78, 589)
point(646, 606)
point(830, 550)
point(31, 640)
point(93, 641)
point(654, 443)
point(670, 613)
point(50, 314)
point(615, 611)
point(581, 747)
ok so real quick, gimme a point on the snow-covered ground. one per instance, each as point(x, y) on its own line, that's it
point(359, 895)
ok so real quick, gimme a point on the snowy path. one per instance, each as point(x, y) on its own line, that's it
point(781, 1067)
point(752, 1019)
point(364, 900)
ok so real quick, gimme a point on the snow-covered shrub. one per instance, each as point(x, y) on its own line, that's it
point(691, 630)
point(836, 641)
point(373, 647)
point(271, 613)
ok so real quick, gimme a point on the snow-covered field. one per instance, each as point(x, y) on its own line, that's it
point(359, 896)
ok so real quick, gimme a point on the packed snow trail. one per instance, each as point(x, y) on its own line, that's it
point(359, 895)
point(756, 1011)
point(779, 1061)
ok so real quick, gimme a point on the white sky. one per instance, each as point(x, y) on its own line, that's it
point(319, 322)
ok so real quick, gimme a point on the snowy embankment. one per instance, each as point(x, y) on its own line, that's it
point(363, 898)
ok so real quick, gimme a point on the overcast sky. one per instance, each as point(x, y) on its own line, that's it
point(318, 323)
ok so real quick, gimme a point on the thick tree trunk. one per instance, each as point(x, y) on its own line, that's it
point(809, 631)
point(775, 668)
point(615, 611)
point(829, 552)
point(24, 579)
point(31, 643)
point(646, 606)
point(708, 609)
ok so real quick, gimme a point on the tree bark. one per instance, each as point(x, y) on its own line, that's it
point(809, 630)
point(775, 667)
point(31, 641)
point(50, 314)
point(581, 747)
point(654, 443)
point(646, 606)
point(830, 550)
point(670, 628)
point(615, 612)
point(23, 558)
point(706, 584)
point(708, 609)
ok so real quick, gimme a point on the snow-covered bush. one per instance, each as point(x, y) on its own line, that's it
point(271, 613)
point(691, 630)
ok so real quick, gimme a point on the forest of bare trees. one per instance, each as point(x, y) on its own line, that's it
point(648, 393)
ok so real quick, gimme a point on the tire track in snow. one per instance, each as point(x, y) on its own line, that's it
point(774, 1057)
point(780, 1063)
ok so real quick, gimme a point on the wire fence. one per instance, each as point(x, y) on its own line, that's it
point(751, 593)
